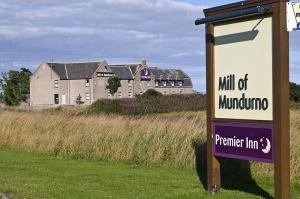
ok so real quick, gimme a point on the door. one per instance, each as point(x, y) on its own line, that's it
point(63, 99)
point(56, 99)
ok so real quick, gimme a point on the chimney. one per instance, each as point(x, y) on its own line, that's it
point(144, 63)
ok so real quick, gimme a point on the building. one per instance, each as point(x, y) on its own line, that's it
point(63, 83)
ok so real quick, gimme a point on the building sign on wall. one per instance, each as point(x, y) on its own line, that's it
point(145, 74)
point(105, 74)
point(244, 141)
point(244, 70)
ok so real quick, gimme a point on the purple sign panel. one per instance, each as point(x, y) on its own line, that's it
point(145, 74)
point(244, 141)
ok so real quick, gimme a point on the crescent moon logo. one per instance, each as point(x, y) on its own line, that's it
point(265, 142)
point(146, 72)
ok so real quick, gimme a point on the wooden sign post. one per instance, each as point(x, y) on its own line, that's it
point(247, 76)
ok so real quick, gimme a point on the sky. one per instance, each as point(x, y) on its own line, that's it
point(118, 31)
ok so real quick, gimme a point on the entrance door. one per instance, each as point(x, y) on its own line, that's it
point(63, 99)
point(56, 99)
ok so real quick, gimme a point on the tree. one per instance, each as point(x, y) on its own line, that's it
point(11, 94)
point(24, 81)
point(113, 85)
point(294, 92)
point(15, 86)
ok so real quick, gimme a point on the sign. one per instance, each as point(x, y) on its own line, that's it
point(244, 141)
point(293, 16)
point(247, 85)
point(243, 81)
point(104, 74)
point(145, 74)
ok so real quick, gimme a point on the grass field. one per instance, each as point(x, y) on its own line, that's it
point(64, 147)
point(36, 176)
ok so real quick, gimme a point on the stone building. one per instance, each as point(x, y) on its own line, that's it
point(62, 83)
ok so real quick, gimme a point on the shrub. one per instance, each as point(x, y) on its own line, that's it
point(151, 93)
point(105, 106)
point(79, 100)
point(146, 105)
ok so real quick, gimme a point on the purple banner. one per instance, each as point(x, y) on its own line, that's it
point(145, 74)
point(244, 141)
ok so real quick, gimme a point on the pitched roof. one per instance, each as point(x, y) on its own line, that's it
point(168, 74)
point(121, 71)
point(75, 70)
point(134, 67)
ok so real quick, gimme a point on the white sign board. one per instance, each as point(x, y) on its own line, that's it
point(243, 70)
point(293, 16)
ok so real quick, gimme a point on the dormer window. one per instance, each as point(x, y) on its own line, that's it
point(180, 83)
point(172, 83)
point(165, 83)
point(87, 82)
point(156, 83)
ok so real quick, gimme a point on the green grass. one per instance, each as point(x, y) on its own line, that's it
point(35, 176)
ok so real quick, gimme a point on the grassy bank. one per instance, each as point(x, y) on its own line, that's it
point(172, 139)
point(27, 175)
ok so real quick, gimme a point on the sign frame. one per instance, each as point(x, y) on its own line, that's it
point(276, 9)
point(266, 129)
point(145, 74)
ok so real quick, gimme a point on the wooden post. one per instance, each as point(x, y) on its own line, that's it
point(281, 101)
point(213, 165)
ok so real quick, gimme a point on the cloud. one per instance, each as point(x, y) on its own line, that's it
point(119, 31)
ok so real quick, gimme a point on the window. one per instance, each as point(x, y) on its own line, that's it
point(165, 83)
point(87, 82)
point(130, 82)
point(55, 83)
point(87, 96)
point(130, 94)
point(120, 94)
point(172, 83)
point(298, 15)
point(156, 83)
point(180, 83)
point(56, 99)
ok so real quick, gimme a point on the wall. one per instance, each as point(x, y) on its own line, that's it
point(42, 86)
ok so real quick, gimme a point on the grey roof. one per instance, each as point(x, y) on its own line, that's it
point(168, 74)
point(134, 67)
point(75, 70)
point(122, 72)
point(187, 82)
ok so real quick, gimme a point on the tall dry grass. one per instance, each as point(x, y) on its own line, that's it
point(159, 138)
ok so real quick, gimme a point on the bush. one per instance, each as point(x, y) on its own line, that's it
point(105, 106)
point(151, 93)
point(154, 104)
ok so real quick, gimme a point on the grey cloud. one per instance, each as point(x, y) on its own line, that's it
point(162, 31)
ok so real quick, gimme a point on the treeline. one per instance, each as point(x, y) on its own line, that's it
point(15, 87)
point(294, 92)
